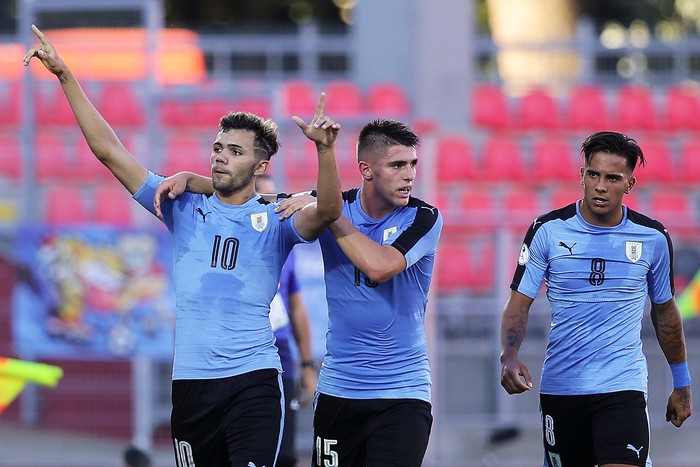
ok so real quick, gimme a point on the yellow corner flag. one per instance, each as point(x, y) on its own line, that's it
point(689, 300)
point(15, 374)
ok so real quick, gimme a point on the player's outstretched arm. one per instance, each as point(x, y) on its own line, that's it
point(515, 376)
point(668, 325)
point(323, 131)
point(99, 135)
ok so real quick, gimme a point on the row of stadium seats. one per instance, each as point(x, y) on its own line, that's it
point(627, 107)
point(585, 107)
point(123, 103)
point(538, 160)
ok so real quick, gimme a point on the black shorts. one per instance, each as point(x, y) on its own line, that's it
point(371, 432)
point(233, 421)
point(596, 429)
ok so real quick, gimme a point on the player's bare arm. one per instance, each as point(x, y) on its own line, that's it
point(175, 185)
point(515, 376)
point(323, 131)
point(668, 325)
point(99, 135)
point(378, 262)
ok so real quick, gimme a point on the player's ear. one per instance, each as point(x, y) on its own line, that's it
point(365, 170)
point(261, 167)
point(630, 184)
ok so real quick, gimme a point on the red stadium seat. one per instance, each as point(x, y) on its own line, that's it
point(489, 107)
point(10, 103)
point(10, 157)
point(563, 196)
point(689, 164)
point(538, 109)
point(113, 205)
point(682, 108)
point(184, 151)
point(120, 105)
point(258, 105)
point(52, 162)
point(51, 107)
point(343, 100)
point(522, 206)
point(298, 97)
point(553, 161)
point(636, 108)
point(455, 159)
point(452, 266)
point(300, 162)
point(502, 160)
point(65, 204)
point(477, 210)
point(588, 108)
point(175, 112)
point(673, 208)
point(388, 100)
point(207, 112)
point(659, 162)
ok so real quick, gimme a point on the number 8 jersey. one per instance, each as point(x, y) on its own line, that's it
point(598, 280)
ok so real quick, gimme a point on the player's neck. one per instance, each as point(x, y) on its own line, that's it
point(374, 205)
point(237, 197)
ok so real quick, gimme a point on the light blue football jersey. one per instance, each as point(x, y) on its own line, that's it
point(226, 268)
point(376, 345)
point(598, 280)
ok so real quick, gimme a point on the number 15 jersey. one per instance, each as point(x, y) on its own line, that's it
point(598, 280)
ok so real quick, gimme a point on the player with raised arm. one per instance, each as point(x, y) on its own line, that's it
point(229, 249)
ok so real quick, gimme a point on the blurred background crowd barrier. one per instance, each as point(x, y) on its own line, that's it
point(502, 94)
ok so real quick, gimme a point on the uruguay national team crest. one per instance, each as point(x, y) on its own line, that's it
point(389, 232)
point(633, 250)
point(259, 221)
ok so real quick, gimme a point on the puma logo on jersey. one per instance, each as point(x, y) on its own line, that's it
point(429, 208)
point(570, 248)
point(251, 464)
point(632, 448)
point(203, 214)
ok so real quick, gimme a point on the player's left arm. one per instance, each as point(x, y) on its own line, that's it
point(378, 262)
point(668, 326)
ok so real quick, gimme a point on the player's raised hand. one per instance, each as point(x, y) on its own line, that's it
point(322, 129)
point(47, 54)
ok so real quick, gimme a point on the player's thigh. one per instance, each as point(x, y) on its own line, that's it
point(398, 433)
point(196, 423)
point(567, 431)
point(339, 432)
point(621, 429)
point(253, 419)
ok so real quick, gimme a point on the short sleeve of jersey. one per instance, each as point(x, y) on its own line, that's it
point(660, 277)
point(420, 237)
point(532, 262)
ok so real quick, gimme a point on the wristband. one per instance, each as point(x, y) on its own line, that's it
point(307, 364)
point(681, 375)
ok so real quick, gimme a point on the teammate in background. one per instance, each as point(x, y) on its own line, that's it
point(599, 260)
point(290, 321)
point(229, 249)
point(373, 406)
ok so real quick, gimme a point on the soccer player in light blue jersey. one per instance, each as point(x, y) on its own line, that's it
point(229, 248)
point(600, 261)
point(373, 404)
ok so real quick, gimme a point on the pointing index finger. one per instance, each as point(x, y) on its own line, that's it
point(320, 104)
point(40, 35)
